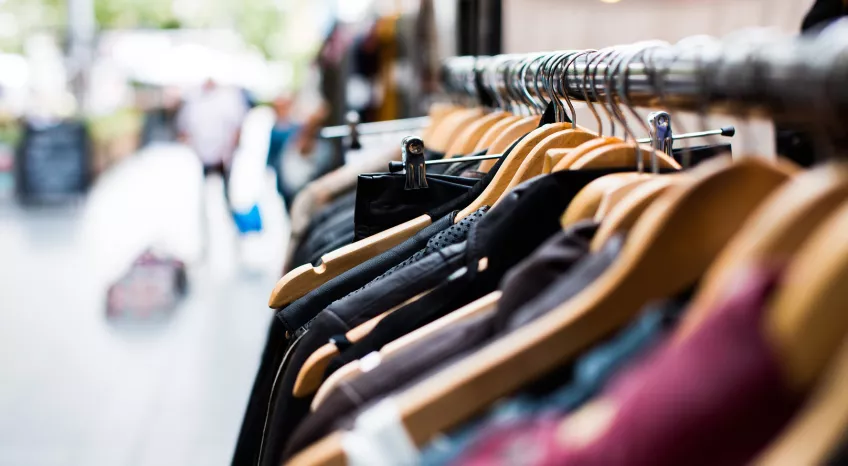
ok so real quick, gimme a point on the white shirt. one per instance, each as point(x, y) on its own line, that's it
point(211, 120)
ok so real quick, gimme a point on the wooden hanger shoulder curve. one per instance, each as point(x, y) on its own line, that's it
point(467, 140)
point(506, 172)
point(494, 132)
point(585, 204)
point(621, 155)
point(507, 137)
point(807, 319)
point(437, 112)
point(576, 153)
point(773, 234)
point(312, 372)
point(627, 213)
point(816, 432)
point(307, 277)
point(612, 197)
point(668, 249)
point(450, 127)
point(480, 306)
point(552, 157)
point(534, 163)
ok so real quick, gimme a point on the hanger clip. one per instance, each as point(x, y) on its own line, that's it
point(412, 152)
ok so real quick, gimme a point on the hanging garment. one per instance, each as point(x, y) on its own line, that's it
point(382, 200)
point(677, 407)
point(588, 376)
point(526, 218)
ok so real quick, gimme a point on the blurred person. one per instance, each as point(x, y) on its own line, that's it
point(281, 133)
point(294, 134)
point(210, 123)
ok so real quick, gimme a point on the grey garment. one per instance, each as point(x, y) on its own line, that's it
point(393, 289)
point(580, 276)
point(548, 263)
point(407, 366)
point(455, 234)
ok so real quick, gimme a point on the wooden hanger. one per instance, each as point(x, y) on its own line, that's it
point(507, 137)
point(533, 165)
point(773, 234)
point(585, 203)
point(621, 155)
point(817, 431)
point(303, 279)
point(467, 140)
point(669, 248)
point(506, 172)
point(496, 130)
point(312, 372)
point(807, 320)
point(627, 213)
point(575, 154)
point(437, 112)
point(352, 370)
point(552, 157)
point(616, 195)
point(450, 127)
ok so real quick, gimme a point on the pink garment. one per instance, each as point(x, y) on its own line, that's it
point(715, 398)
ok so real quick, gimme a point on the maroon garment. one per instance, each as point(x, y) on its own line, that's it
point(714, 398)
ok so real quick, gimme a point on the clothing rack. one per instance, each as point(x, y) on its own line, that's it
point(786, 78)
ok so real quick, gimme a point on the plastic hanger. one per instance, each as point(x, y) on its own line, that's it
point(312, 372)
point(668, 249)
point(774, 233)
point(352, 370)
point(818, 430)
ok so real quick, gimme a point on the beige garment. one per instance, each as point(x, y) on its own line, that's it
point(317, 194)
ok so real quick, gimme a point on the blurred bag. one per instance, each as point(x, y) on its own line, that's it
point(150, 290)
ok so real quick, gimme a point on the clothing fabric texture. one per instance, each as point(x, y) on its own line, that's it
point(510, 232)
point(583, 380)
point(677, 405)
point(552, 259)
point(299, 312)
point(530, 277)
point(382, 200)
point(353, 395)
point(430, 265)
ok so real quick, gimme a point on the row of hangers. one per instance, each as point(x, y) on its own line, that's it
point(556, 144)
point(704, 224)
